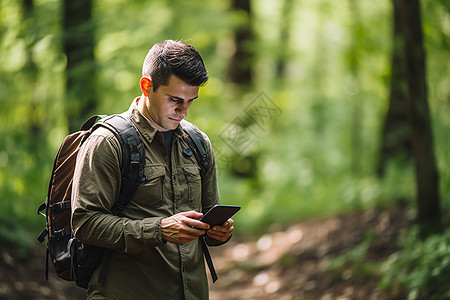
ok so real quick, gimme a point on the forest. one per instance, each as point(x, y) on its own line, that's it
point(319, 111)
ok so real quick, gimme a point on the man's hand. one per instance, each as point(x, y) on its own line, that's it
point(222, 233)
point(183, 227)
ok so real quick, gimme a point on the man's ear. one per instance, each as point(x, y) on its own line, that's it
point(145, 84)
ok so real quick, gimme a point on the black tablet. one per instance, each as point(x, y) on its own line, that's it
point(219, 213)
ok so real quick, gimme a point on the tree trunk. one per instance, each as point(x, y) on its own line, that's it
point(78, 44)
point(241, 62)
point(31, 70)
point(318, 72)
point(396, 135)
point(428, 202)
point(354, 93)
point(285, 26)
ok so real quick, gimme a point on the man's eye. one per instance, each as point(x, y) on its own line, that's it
point(173, 100)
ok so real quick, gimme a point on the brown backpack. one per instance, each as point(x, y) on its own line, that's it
point(73, 260)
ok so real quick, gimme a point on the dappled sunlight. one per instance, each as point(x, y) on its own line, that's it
point(299, 262)
point(328, 120)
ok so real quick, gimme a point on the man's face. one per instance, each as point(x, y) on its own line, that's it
point(168, 105)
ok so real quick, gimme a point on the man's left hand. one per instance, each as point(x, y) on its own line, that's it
point(221, 233)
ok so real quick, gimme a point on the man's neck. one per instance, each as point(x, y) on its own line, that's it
point(142, 105)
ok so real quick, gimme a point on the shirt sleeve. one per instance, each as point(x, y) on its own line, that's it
point(96, 186)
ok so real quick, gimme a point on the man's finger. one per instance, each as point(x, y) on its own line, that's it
point(192, 214)
point(197, 224)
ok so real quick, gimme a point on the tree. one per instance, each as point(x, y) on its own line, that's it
point(285, 38)
point(240, 66)
point(427, 179)
point(396, 135)
point(240, 73)
point(78, 45)
point(357, 113)
point(31, 71)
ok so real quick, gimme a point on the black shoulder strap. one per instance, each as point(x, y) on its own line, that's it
point(132, 157)
point(196, 142)
point(89, 123)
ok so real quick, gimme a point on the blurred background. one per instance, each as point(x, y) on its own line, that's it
point(315, 108)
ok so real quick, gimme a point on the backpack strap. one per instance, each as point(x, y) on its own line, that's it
point(91, 121)
point(133, 157)
point(196, 142)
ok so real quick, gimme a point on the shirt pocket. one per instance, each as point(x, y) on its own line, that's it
point(193, 185)
point(151, 188)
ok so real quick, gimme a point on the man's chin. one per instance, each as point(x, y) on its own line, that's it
point(171, 126)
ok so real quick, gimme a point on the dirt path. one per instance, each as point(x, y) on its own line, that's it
point(293, 263)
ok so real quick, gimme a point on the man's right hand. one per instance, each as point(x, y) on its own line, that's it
point(183, 227)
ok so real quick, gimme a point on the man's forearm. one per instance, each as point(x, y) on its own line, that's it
point(118, 233)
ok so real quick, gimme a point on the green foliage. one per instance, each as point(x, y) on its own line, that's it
point(354, 263)
point(301, 163)
point(421, 268)
point(16, 237)
point(302, 172)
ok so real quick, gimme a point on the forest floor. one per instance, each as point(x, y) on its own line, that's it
point(309, 260)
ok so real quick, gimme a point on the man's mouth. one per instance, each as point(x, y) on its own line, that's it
point(176, 119)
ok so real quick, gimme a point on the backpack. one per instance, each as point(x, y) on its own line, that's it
point(72, 259)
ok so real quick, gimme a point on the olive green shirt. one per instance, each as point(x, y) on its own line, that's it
point(142, 265)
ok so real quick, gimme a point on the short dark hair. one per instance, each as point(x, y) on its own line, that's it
point(174, 58)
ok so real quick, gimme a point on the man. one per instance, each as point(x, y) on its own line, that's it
point(156, 252)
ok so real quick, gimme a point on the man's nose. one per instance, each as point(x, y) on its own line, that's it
point(182, 109)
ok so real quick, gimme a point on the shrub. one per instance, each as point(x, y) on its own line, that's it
point(421, 268)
